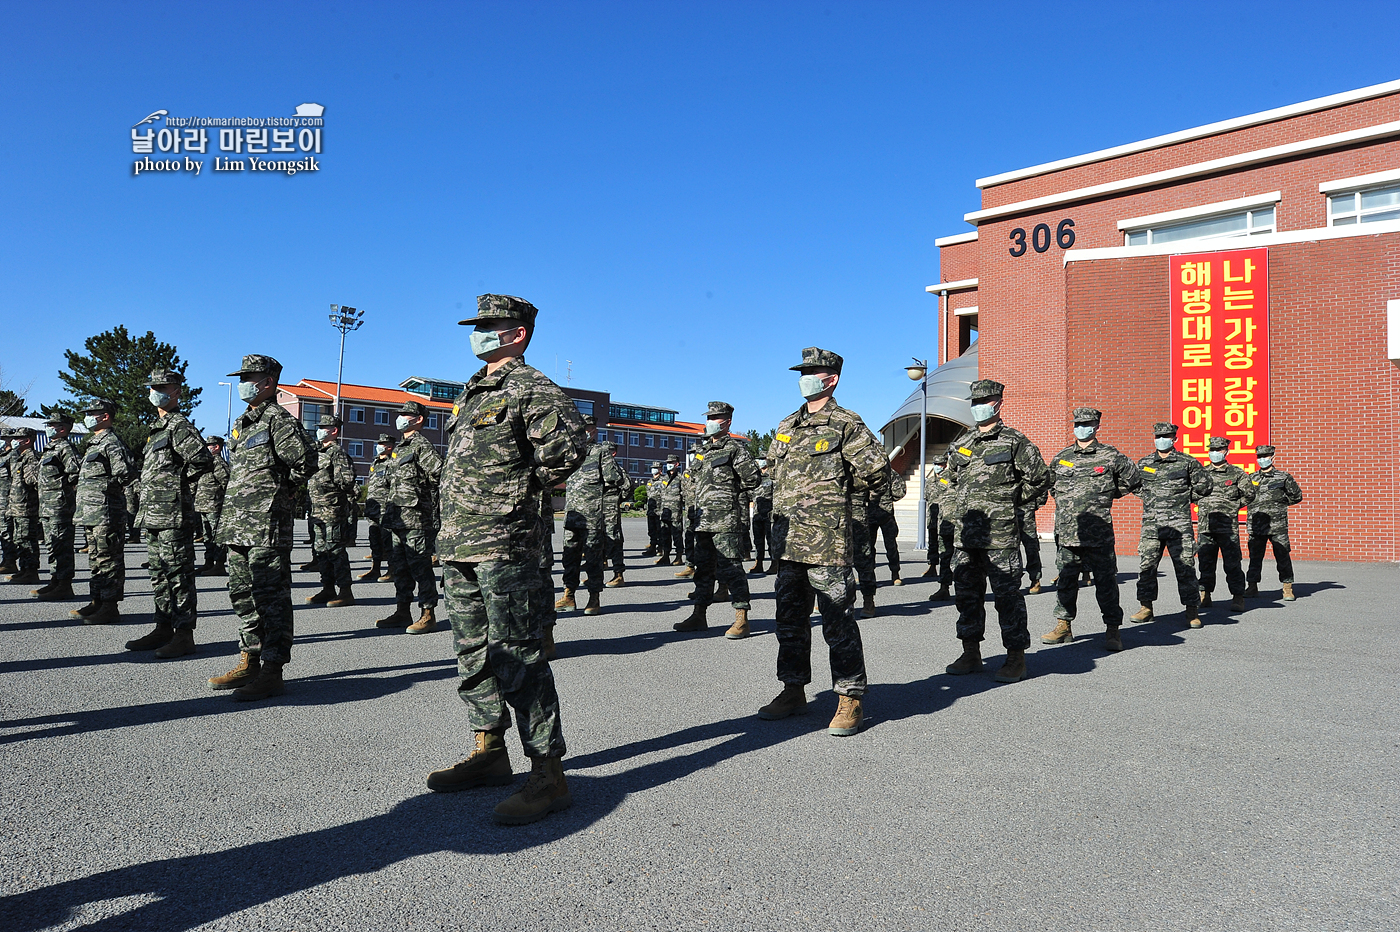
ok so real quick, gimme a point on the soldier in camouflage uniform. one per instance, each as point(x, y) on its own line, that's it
point(883, 523)
point(724, 471)
point(615, 493)
point(549, 616)
point(376, 494)
point(1089, 477)
point(24, 506)
point(1274, 491)
point(133, 508)
point(762, 522)
point(1171, 481)
point(687, 484)
point(513, 436)
point(332, 491)
point(992, 469)
point(271, 453)
point(209, 503)
point(671, 514)
point(584, 532)
point(106, 468)
point(174, 459)
point(940, 528)
point(868, 520)
point(823, 458)
point(414, 473)
point(58, 480)
point(7, 535)
point(1231, 490)
point(1030, 540)
point(654, 485)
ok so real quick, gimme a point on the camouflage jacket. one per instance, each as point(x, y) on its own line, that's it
point(882, 505)
point(687, 484)
point(938, 491)
point(618, 491)
point(763, 498)
point(5, 481)
point(271, 454)
point(586, 489)
point(993, 474)
point(415, 469)
point(1087, 480)
point(654, 490)
point(59, 465)
point(671, 498)
point(513, 434)
point(1274, 491)
point(1231, 490)
point(377, 488)
point(209, 490)
point(332, 485)
point(1169, 485)
point(821, 462)
point(724, 471)
point(174, 459)
point(24, 484)
point(106, 469)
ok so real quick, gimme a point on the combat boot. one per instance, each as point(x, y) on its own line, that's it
point(1035, 588)
point(208, 569)
point(791, 701)
point(159, 636)
point(1288, 595)
point(1060, 635)
point(696, 621)
point(45, 589)
point(248, 667)
point(663, 560)
point(547, 645)
point(649, 552)
point(1014, 669)
point(488, 765)
point(740, 629)
point(615, 581)
point(1237, 604)
point(544, 792)
point(371, 574)
point(400, 619)
point(8, 568)
point(594, 606)
point(1142, 615)
point(848, 717)
point(1193, 618)
point(757, 568)
point(970, 661)
point(107, 613)
point(931, 571)
point(686, 573)
point(179, 645)
point(86, 610)
point(1252, 591)
point(220, 569)
point(426, 623)
point(942, 595)
point(267, 683)
point(721, 593)
point(1112, 640)
point(896, 581)
point(678, 561)
point(387, 576)
point(566, 601)
point(346, 597)
point(867, 605)
point(321, 598)
point(25, 576)
point(315, 564)
point(1205, 599)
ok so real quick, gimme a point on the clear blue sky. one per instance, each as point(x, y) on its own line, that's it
point(690, 193)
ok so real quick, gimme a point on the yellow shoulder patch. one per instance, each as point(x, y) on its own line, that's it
point(1149, 469)
point(699, 456)
point(964, 451)
point(785, 438)
point(1255, 481)
point(1067, 463)
point(235, 433)
point(454, 410)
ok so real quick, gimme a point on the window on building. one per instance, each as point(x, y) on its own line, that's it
point(356, 449)
point(381, 416)
point(357, 415)
point(636, 440)
point(651, 441)
point(665, 443)
point(1369, 206)
point(619, 439)
point(584, 407)
point(1221, 226)
point(432, 422)
point(311, 415)
point(691, 444)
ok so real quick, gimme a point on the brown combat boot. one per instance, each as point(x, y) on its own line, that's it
point(594, 606)
point(107, 613)
point(44, 589)
point(721, 593)
point(970, 661)
point(942, 595)
point(315, 564)
point(547, 645)
point(932, 570)
point(791, 701)
point(58, 592)
point(248, 667)
point(25, 576)
point(544, 792)
point(346, 597)
point(663, 560)
point(400, 619)
point(1288, 595)
point(678, 561)
point(1061, 634)
point(1193, 618)
point(615, 581)
point(757, 568)
point(388, 576)
point(8, 568)
point(159, 636)
point(267, 683)
point(1205, 599)
point(86, 610)
point(867, 605)
point(426, 623)
point(1252, 591)
point(740, 629)
point(1014, 669)
point(1035, 588)
point(321, 598)
point(488, 765)
point(1112, 640)
point(179, 645)
point(686, 573)
point(566, 601)
point(371, 574)
point(848, 717)
point(1142, 615)
point(696, 621)
point(1237, 604)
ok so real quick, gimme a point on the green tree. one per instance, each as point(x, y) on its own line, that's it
point(116, 368)
point(11, 405)
point(758, 443)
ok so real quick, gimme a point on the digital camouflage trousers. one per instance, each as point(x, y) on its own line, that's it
point(833, 590)
point(107, 562)
point(972, 571)
point(260, 588)
point(170, 551)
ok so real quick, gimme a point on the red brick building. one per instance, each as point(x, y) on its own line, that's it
point(1079, 279)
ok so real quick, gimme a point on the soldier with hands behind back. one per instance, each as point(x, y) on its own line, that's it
point(1275, 491)
point(209, 503)
point(24, 506)
point(332, 491)
point(58, 480)
point(410, 516)
point(1219, 519)
point(105, 471)
point(1171, 481)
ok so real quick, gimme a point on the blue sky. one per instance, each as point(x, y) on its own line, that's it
point(690, 193)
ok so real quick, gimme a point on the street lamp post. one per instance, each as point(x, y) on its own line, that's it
point(228, 415)
point(346, 320)
point(918, 372)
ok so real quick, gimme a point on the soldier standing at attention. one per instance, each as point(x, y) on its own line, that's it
point(762, 523)
point(940, 529)
point(271, 454)
point(1171, 481)
point(58, 481)
point(1089, 477)
point(512, 437)
point(883, 522)
point(993, 468)
point(174, 459)
point(1030, 540)
point(1274, 491)
point(376, 500)
point(654, 485)
point(332, 491)
point(1231, 490)
point(724, 471)
point(671, 515)
point(7, 537)
point(24, 506)
point(584, 534)
point(106, 468)
point(863, 539)
point(409, 516)
point(615, 492)
point(688, 514)
point(209, 502)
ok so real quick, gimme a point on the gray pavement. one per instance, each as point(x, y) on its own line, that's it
point(1242, 776)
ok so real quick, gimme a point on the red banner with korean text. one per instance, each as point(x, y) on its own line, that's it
point(1220, 351)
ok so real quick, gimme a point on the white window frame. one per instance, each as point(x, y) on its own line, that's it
point(355, 448)
point(433, 421)
point(1355, 187)
point(650, 440)
point(381, 417)
point(636, 440)
point(357, 415)
point(1249, 206)
point(665, 443)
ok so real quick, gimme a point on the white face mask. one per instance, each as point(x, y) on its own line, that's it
point(247, 391)
point(1217, 456)
point(379, 449)
point(985, 412)
point(937, 469)
point(811, 386)
point(1084, 431)
point(1265, 462)
point(90, 422)
point(51, 432)
point(1164, 443)
point(322, 434)
point(713, 427)
point(402, 421)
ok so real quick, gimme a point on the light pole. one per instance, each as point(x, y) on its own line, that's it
point(345, 319)
point(228, 416)
point(918, 372)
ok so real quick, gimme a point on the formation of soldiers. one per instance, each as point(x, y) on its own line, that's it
point(815, 506)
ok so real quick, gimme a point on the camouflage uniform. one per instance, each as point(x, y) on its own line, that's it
point(724, 471)
point(332, 491)
point(1170, 483)
point(174, 459)
point(991, 472)
point(376, 501)
point(106, 469)
point(58, 478)
point(209, 503)
point(271, 453)
point(549, 616)
point(615, 492)
point(1274, 491)
point(1030, 536)
point(654, 486)
point(1088, 479)
point(411, 512)
point(882, 520)
point(133, 507)
point(687, 484)
point(821, 461)
point(584, 534)
point(762, 523)
point(671, 513)
point(940, 524)
point(7, 536)
point(1219, 513)
point(24, 503)
point(512, 435)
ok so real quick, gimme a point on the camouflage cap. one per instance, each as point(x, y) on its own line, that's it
point(987, 388)
point(1087, 415)
point(503, 307)
point(23, 433)
point(255, 364)
point(590, 421)
point(165, 377)
point(99, 406)
point(328, 420)
point(940, 459)
point(814, 357)
point(656, 467)
point(672, 461)
point(60, 419)
point(214, 439)
point(387, 438)
point(1163, 429)
point(719, 411)
point(414, 409)
point(1265, 450)
point(1219, 443)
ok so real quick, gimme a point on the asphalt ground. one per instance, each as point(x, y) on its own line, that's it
point(1242, 776)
